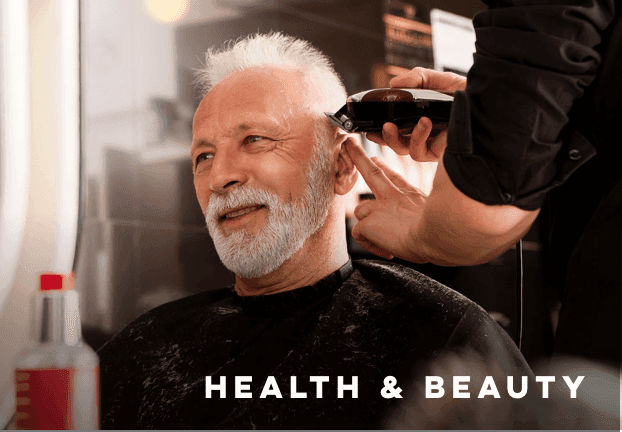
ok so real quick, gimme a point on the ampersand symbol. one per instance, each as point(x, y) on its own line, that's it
point(388, 391)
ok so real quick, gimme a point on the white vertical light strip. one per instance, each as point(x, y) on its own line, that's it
point(14, 139)
point(69, 136)
point(453, 40)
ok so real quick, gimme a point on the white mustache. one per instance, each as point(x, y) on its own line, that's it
point(219, 204)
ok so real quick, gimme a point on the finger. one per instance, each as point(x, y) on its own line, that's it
point(379, 184)
point(396, 178)
point(375, 137)
point(429, 79)
point(367, 245)
point(418, 148)
point(435, 148)
point(411, 79)
point(439, 145)
point(401, 148)
point(363, 210)
point(394, 140)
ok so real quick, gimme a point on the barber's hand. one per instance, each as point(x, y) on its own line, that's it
point(418, 144)
point(387, 225)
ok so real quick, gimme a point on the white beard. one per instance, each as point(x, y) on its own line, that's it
point(288, 226)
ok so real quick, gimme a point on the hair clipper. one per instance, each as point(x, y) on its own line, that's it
point(368, 111)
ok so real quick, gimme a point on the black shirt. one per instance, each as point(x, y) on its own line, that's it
point(538, 126)
point(379, 320)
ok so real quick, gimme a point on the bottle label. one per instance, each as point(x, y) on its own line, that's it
point(44, 398)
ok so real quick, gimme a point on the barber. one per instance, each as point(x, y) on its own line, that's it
point(533, 126)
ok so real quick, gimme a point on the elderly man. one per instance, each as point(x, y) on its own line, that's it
point(305, 338)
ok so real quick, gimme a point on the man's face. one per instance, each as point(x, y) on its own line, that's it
point(257, 174)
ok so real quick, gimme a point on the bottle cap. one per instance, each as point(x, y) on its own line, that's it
point(51, 282)
point(56, 311)
point(58, 282)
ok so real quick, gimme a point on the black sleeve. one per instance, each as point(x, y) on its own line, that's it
point(509, 139)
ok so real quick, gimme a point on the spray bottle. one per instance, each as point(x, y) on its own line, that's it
point(56, 376)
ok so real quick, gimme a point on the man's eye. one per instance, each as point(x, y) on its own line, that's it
point(204, 157)
point(252, 139)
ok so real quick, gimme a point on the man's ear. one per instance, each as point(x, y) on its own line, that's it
point(346, 173)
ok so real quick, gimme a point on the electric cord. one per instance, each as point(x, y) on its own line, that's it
point(519, 293)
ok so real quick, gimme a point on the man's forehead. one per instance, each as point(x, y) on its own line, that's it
point(207, 129)
point(273, 85)
point(266, 97)
point(231, 116)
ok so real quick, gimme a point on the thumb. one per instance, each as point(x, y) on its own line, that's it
point(358, 233)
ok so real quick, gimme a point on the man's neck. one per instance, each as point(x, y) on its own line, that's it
point(320, 255)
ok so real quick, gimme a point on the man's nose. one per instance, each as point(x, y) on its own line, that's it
point(226, 173)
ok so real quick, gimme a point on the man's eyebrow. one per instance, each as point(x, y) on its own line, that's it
point(271, 126)
point(243, 127)
point(200, 144)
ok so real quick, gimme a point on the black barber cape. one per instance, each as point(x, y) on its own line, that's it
point(373, 321)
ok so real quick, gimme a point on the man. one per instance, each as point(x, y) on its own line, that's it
point(270, 174)
point(535, 128)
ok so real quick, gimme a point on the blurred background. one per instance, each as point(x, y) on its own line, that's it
point(139, 238)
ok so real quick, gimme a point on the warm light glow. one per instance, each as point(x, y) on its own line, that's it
point(166, 10)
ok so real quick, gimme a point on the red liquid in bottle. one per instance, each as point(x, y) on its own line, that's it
point(56, 376)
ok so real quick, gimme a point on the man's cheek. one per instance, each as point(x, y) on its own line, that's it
point(280, 178)
point(202, 196)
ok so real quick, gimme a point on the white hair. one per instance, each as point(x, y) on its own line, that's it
point(325, 87)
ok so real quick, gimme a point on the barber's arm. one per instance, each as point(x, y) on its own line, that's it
point(508, 143)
